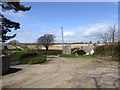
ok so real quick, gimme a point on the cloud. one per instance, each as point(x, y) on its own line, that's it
point(25, 36)
point(91, 30)
point(16, 16)
point(68, 34)
point(85, 33)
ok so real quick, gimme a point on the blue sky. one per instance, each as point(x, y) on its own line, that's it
point(82, 21)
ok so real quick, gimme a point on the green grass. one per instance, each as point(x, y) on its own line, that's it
point(111, 49)
point(27, 58)
point(30, 57)
point(117, 59)
point(77, 56)
point(89, 56)
point(68, 56)
point(16, 55)
point(33, 60)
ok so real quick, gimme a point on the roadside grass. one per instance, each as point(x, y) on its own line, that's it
point(95, 56)
point(101, 57)
point(89, 56)
point(27, 58)
point(34, 60)
point(109, 50)
point(68, 56)
point(37, 57)
point(32, 56)
point(16, 55)
point(77, 56)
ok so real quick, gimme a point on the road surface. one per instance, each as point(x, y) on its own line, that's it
point(60, 72)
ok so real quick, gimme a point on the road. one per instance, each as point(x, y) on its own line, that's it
point(60, 72)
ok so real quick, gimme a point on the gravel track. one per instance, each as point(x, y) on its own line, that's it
point(60, 72)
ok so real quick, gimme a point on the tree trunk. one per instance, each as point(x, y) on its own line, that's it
point(113, 37)
point(46, 48)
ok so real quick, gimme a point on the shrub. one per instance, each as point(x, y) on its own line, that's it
point(28, 55)
point(50, 52)
point(108, 50)
point(34, 60)
point(27, 58)
point(15, 56)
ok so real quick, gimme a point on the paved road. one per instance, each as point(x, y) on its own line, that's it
point(60, 72)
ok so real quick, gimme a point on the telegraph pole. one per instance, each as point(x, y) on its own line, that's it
point(62, 39)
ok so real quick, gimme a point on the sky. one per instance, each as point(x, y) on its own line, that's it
point(81, 21)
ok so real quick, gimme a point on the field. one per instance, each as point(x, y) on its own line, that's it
point(52, 47)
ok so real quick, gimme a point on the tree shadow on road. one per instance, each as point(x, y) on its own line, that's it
point(11, 71)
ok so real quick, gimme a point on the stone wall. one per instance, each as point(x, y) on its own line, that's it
point(66, 49)
point(5, 64)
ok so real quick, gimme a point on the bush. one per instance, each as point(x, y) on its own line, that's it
point(27, 58)
point(16, 56)
point(108, 50)
point(50, 52)
point(28, 55)
point(34, 60)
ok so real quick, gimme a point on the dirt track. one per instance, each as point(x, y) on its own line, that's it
point(65, 73)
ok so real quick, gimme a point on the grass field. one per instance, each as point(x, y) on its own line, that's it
point(52, 47)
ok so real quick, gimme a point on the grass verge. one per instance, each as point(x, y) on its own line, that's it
point(68, 56)
point(27, 58)
point(77, 56)
point(33, 60)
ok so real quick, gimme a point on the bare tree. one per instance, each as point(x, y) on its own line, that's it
point(111, 35)
point(98, 42)
point(46, 40)
point(90, 42)
point(105, 37)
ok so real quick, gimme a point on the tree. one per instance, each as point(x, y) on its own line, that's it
point(13, 42)
point(6, 24)
point(90, 42)
point(98, 42)
point(111, 35)
point(46, 40)
point(105, 37)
